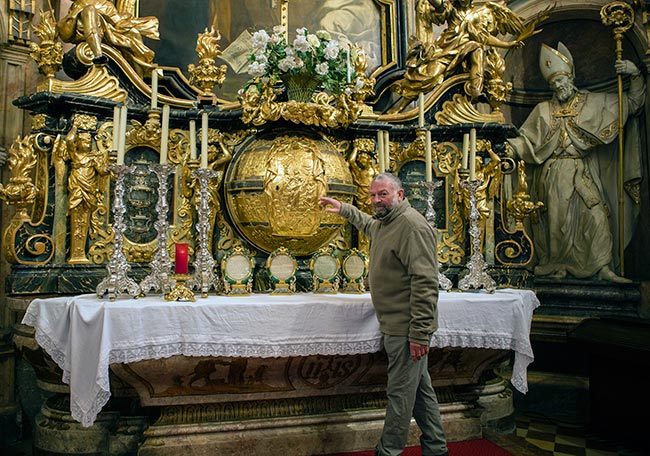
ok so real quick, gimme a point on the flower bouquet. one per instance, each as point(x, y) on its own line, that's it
point(309, 62)
point(324, 79)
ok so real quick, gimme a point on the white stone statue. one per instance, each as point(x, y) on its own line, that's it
point(569, 141)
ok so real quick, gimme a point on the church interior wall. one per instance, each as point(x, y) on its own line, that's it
point(577, 24)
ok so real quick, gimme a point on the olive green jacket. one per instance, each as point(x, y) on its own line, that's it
point(403, 271)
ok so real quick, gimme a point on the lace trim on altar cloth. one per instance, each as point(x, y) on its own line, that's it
point(47, 344)
point(523, 353)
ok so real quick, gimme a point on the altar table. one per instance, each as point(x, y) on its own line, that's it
point(85, 334)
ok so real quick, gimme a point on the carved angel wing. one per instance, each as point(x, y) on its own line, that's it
point(506, 21)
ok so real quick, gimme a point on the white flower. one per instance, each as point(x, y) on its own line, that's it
point(301, 31)
point(260, 39)
point(322, 68)
point(289, 63)
point(261, 57)
point(257, 69)
point(301, 44)
point(332, 49)
point(313, 40)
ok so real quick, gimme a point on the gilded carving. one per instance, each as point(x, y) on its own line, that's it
point(207, 74)
point(295, 178)
point(39, 122)
point(491, 179)
point(87, 168)
point(272, 187)
point(49, 53)
point(100, 21)
point(511, 252)
point(21, 192)
point(363, 169)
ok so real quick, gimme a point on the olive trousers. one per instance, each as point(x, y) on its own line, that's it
point(409, 394)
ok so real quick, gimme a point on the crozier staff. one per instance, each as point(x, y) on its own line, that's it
point(403, 276)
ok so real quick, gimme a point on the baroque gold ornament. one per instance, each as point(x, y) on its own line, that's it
point(272, 190)
point(207, 74)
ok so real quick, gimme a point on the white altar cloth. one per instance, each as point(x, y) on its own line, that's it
point(84, 334)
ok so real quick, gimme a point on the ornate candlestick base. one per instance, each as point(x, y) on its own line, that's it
point(477, 277)
point(180, 291)
point(204, 277)
point(117, 279)
point(443, 282)
point(161, 265)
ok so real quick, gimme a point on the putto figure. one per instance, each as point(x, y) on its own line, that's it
point(96, 21)
point(466, 45)
point(571, 177)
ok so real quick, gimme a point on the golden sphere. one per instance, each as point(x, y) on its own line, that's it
point(272, 190)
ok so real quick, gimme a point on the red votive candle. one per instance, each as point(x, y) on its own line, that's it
point(182, 251)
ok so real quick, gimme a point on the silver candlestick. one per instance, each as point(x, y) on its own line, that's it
point(204, 277)
point(117, 279)
point(443, 282)
point(477, 277)
point(159, 279)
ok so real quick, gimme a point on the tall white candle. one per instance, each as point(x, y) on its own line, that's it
point(472, 154)
point(204, 140)
point(380, 152)
point(465, 151)
point(121, 144)
point(116, 127)
point(421, 110)
point(193, 139)
point(386, 150)
point(164, 135)
point(427, 156)
point(154, 88)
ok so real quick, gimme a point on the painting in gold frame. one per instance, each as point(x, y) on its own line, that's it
point(369, 23)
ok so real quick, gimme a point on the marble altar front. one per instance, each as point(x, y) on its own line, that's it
point(242, 373)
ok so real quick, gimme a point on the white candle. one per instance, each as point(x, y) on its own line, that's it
point(421, 110)
point(193, 139)
point(116, 127)
point(121, 144)
point(380, 151)
point(164, 135)
point(472, 154)
point(465, 151)
point(154, 88)
point(204, 140)
point(386, 150)
point(427, 156)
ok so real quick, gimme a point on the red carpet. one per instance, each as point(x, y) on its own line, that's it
point(480, 447)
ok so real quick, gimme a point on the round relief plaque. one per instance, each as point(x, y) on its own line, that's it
point(326, 267)
point(238, 267)
point(282, 267)
point(355, 271)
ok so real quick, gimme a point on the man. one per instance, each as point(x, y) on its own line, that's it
point(574, 233)
point(403, 278)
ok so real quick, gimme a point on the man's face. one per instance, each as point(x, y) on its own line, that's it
point(384, 197)
point(563, 87)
